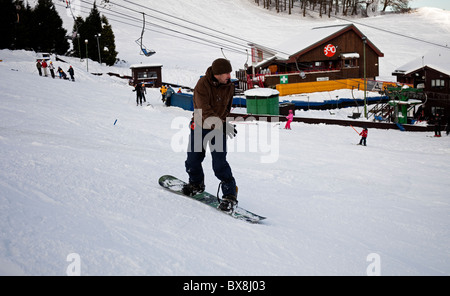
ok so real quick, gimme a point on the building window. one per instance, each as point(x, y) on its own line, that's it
point(316, 66)
point(147, 75)
point(350, 60)
point(349, 63)
point(437, 83)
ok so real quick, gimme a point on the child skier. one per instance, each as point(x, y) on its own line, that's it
point(363, 135)
point(290, 118)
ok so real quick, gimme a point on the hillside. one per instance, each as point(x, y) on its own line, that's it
point(80, 163)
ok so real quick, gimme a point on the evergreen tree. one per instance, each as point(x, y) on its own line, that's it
point(48, 30)
point(23, 32)
point(8, 22)
point(107, 44)
point(95, 25)
point(78, 41)
point(92, 27)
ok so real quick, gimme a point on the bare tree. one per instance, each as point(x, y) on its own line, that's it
point(399, 5)
point(343, 7)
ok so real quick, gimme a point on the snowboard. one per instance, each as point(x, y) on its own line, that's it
point(175, 185)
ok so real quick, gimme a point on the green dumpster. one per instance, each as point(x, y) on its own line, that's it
point(262, 101)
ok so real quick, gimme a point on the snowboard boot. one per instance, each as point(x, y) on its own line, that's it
point(228, 203)
point(191, 189)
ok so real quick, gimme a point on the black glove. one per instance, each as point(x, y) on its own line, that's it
point(229, 130)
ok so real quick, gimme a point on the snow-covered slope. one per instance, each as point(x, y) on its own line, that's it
point(73, 180)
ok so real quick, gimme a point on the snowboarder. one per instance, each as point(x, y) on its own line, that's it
point(39, 67)
point(289, 118)
point(138, 90)
point(363, 135)
point(52, 69)
point(213, 96)
point(71, 72)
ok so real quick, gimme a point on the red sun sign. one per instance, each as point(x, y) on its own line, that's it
point(329, 50)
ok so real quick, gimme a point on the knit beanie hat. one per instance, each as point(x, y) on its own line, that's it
point(221, 66)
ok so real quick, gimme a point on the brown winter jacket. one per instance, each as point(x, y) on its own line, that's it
point(212, 100)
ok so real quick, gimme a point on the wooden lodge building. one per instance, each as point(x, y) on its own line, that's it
point(319, 54)
point(431, 72)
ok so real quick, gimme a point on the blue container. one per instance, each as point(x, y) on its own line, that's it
point(184, 101)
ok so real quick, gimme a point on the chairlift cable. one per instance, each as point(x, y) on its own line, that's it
point(189, 22)
point(179, 32)
point(179, 25)
point(125, 16)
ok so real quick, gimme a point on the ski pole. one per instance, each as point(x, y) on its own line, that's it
point(354, 129)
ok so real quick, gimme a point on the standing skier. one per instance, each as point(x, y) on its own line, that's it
point(213, 96)
point(289, 118)
point(143, 92)
point(163, 91)
point(363, 135)
point(52, 69)
point(39, 67)
point(44, 67)
point(137, 89)
point(71, 72)
point(437, 125)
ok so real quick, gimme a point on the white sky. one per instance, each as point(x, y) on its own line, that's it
point(444, 4)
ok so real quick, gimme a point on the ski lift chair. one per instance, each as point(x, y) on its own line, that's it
point(148, 53)
point(144, 49)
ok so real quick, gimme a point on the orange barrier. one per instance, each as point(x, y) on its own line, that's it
point(319, 86)
point(330, 85)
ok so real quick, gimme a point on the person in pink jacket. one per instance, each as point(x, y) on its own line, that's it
point(290, 118)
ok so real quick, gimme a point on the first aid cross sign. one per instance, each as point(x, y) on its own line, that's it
point(284, 79)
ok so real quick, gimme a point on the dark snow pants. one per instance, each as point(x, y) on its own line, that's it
point(363, 141)
point(217, 143)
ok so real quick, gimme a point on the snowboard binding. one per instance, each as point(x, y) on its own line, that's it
point(228, 203)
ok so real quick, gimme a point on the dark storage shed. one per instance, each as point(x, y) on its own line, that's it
point(150, 74)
